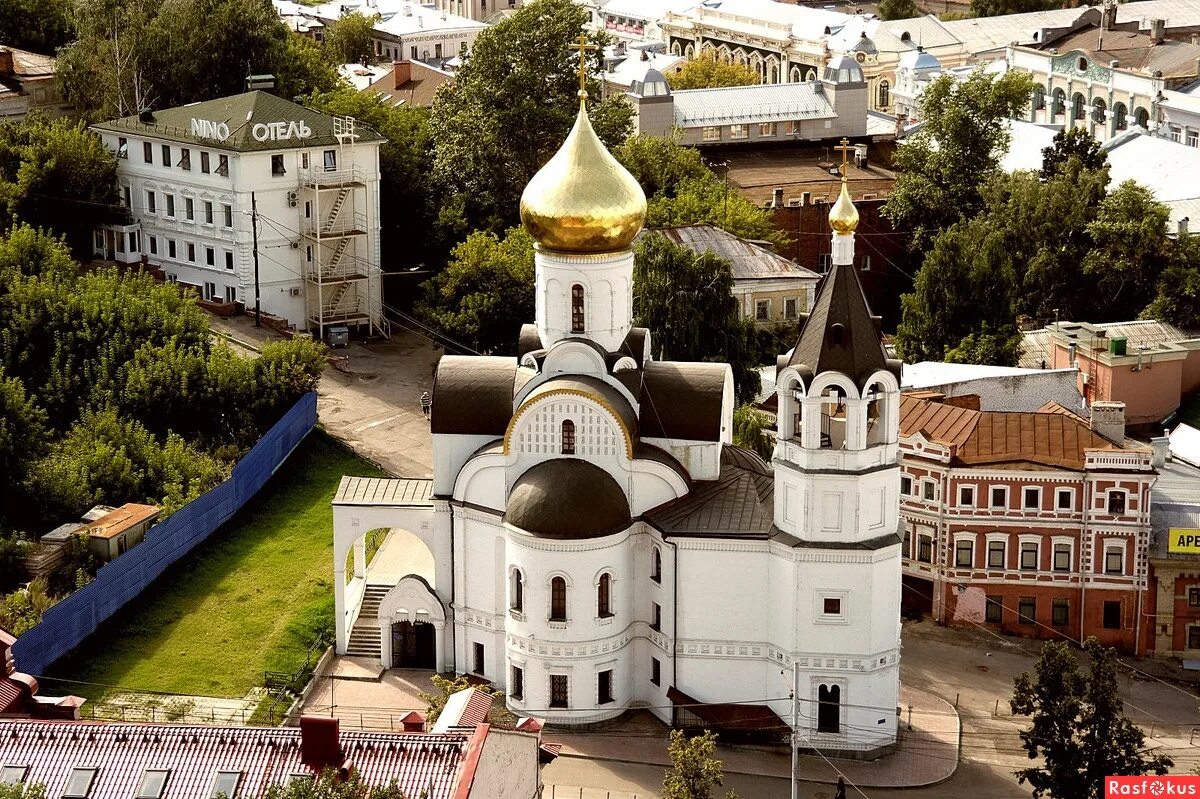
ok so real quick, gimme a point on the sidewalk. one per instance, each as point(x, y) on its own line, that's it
point(927, 754)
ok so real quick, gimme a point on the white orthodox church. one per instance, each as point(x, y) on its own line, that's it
point(598, 542)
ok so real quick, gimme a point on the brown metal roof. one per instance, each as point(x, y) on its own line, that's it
point(741, 502)
point(537, 503)
point(118, 521)
point(683, 400)
point(473, 395)
point(1133, 49)
point(994, 437)
point(748, 260)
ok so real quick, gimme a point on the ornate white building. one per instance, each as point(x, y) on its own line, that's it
point(598, 542)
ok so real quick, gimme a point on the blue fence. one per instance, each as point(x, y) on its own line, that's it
point(67, 624)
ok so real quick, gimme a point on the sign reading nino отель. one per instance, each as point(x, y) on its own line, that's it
point(261, 131)
point(1184, 539)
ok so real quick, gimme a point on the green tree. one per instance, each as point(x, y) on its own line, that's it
point(695, 771)
point(23, 608)
point(445, 687)
point(964, 133)
point(22, 431)
point(40, 26)
point(660, 163)
point(1077, 725)
point(997, 8)
point(1072, 142)
point(508, 110)
point(1178, 297)
point(898, 9)
point(686, 298)
point(749, 426)
point(485, 293)
point(1130, 249)
point(330, 785)
point(351, 39)
point(304, 69)
point(707, 71)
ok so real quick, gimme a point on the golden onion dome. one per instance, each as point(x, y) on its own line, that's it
point(843, 217)
point(583, 200)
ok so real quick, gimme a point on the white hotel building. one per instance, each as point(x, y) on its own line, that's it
point(193, 176)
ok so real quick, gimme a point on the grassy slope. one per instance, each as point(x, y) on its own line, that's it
point(250, 599)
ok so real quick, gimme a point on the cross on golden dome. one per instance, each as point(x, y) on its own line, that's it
point(843, 217)
point(584, 47)
point(845, 149)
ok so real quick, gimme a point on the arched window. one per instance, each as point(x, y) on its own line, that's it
point(829, 710)
point(577, 308)
point(1142, 118)
point(1120, 117)
point(604, 596)
point(516, 599)
point(1077, 106)
point(811, 76)
point(1059, 102)
point(558, 599)
point(568, 437)
point(884, 98)
point(794, 75)
point(656, 568)
point(1098, 111)
point(1039, 98)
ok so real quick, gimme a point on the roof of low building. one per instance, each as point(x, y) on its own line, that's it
point(635, 67)
point(995, 437)
point(384, 491)
point(748, 260)
point(118, 521)
point(1168, 168)
point(1133, 49)
point(1148, 334)
point(536, 502)
point(244, 114)
point(28, 65)
point(771, 102)
point(937, 373)
point(419, 90)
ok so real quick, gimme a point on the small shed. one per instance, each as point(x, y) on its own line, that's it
point(118, 530)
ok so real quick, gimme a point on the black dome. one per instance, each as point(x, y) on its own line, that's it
point(567, 498)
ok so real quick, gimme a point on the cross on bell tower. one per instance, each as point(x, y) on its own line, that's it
point(584, 47)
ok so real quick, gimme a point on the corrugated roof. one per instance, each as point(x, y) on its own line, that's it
point(995, 437)
point(382, 491)
point(118, 521)
point(421, 764)
point(741, 502)
point(981, 34)
point(241, 112)
point(748, 260)
point(1168, 168)
point(772, 102)
point(1133, 49)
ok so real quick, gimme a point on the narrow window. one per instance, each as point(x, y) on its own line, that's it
point(966, 496)
point(1112, 615)
point(185, 159)
point(655, 671)
point(189, 209)
point(205, 165)
point(330, 160)
point(1116, 501)
point(208, 212)
point(80, 783)
point(925, 549)
point(477, 658)
point(1060, 612)
point(210, 256)
point(226, 784)
point(829, 711)
point(151, 204)
point(170, 248)
point(603, 608)
point(762, 310)
point(1029, 556)
point(994, 610)
point(154, 781)
point(166, 155)
point(1193, 638)
point(577, 308)
point(558, 599)
point(191, 251)
point(1114, 561)
point(789, 308)
point(996, 558)
point(656, 569)
point(517, 601)
point(558, 690)
point(1062, 557)
point(1033, 498)
point(999, 497)
point(1064, 499)
point(516, 688)
point(148, 152)
point(905, 485)
point(604, 692)
point(227, 210)
point(229, 261)
point(656, 624)
point(171, 205)
point(1193, 596)
point(230, 294)
point(1027, 610)
point(154, 245)
point(568, 437)
point(223, 165)
point(929, 489)
point(963, 554)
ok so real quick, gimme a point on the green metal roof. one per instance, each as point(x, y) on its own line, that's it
point(252, 122)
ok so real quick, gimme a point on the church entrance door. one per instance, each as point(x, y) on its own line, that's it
point(413, 645)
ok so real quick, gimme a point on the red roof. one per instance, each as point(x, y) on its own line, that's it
point(422, 764)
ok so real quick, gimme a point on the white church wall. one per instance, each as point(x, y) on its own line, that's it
point(653, 484)
point(723, 588)
point(837, 507)
point(450, 453)
point(702, 459)
point(608, 295)
point(481, 482)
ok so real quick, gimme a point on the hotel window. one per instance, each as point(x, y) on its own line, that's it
point(330, 160)
point(166, 155)
point(928, 489)
point(1027, 610)
point(568, 437)
point(966, 496)
point(1112, 615)
point(170, 205)
point(993, 611)
point(210, 291)
point(1031, 498)
point(191, 251)
point(189, 209)
point(604, 692)
point(516, 688)
point(1116, 501)
point(1064, 499)
point(80, 783)
point(151, 203)
point(170, 248)
point(227, 211)
point(226, 784)
point(477, 657)
point(577, 317)
point(1193, 138)
point(208, 212)
point(210, 256)
point(277, 165)
point(229, 260)
point(223, 165)
point(711, 133)
point(964, 553)
point(766, 129)
point(905, 485)
point(1193, 595)
point(924, 549)
point(999, 497)
point(205, 166)
point(148, 152)
point(558, 690)
point(762, 310)
point(1060, 612)
point(1029, 556)
point(1062, 557)
point(739, 131)
point(655, 671)
point(154, 782)
point(789, 308)
point(185, 159)
point(1193, 637)
point(1114, 560)
point(656, 624)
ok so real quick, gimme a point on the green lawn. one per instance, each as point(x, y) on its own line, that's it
point(250, 599)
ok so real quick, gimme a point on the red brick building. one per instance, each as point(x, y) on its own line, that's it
point(1031, 524)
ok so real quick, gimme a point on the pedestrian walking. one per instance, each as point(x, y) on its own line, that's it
point(840, 793)
point(426, 403)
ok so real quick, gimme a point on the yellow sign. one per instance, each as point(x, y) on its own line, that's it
point(1183, 539)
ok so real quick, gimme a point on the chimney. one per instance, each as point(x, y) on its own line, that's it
point(1183, 226)
point(1160, 449)
point(402, 71)
point(1108, 17)
point(320, 744)
point(1158, 30)
point(1196, 38)
point(1108, 420)
point(413, 721)
point(7, 65)
point(777, 198)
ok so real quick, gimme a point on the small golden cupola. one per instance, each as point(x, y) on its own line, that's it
point(843, 217)
point(583, 200)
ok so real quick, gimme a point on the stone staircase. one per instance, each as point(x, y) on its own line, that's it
point(364, 636)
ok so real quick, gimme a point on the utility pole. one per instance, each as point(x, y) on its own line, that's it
point(795, 729)
point(254, 227)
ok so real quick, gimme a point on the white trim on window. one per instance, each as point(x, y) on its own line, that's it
point(991, 497)
point(1025, 498)
point(1056, 542)
point(819, 613)
point(974, 489)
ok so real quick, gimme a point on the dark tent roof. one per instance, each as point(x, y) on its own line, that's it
point(682, 400)
point(473, 395)
point(840, 335)
point(569, 499)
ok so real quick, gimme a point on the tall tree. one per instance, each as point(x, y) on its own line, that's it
point(997, 8)
point(40, 26)
point(351, 39)
point(304, 69)
point(898, 9)
point(695, 771)
point(1072, 142)
point(1077, 725)
point(707, 71)
point(1130, 250)
point(511, 105)
point(1178, 297)
point(686, 299)
point(964, 133)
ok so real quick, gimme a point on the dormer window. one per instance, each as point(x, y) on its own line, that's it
point(577, 308)
point(568, 437)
